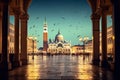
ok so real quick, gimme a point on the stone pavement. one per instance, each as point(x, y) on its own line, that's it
point(62, 67)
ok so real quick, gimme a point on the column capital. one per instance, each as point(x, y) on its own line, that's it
point(104, 9)
point(24, 16)
point(4, 1)
point(16, 11)
point(95, 16)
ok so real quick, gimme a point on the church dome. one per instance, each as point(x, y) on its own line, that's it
point(59, 37)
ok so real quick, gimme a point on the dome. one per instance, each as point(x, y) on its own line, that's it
point(59, 37)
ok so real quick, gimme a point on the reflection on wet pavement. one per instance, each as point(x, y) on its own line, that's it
point(60, 67)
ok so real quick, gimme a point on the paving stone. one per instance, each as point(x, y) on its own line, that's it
point(59, 67)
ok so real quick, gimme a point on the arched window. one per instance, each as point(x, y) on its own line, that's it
point(60, 45)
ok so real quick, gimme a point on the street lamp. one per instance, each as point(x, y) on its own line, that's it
point(84, 40)
point(33, 46)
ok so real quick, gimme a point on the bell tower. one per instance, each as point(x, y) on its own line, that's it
point(45, 36)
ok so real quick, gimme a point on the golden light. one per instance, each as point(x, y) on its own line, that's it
point(80, 39)
point(85, 75)
point(30, 37)
point(113, 37)
point(33, 71)
point(84, 39)
point(73, 51)
point(92, 37)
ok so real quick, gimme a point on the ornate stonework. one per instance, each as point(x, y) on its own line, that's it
point(59, 45)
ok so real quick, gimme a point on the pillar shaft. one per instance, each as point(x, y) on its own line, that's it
point(104, 38)
point(117, 38)
point(96, 42)
point(24, 19)
point(5, 64)
point(16, 44)
point(0, 34)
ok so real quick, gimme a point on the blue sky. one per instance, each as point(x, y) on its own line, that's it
point(72, 17)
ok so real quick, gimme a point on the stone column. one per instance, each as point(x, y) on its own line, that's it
point(16, 44)
point(5, 64)
point(24, 19)
point(0, 33)
point(116, 17)
point(104, 62)
point(96, 40)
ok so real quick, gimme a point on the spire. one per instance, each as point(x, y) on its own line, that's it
point(45, 28)
point(59, 31)
point(50, 40)
point(45, 21)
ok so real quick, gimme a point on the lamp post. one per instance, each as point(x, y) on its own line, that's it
point(84, 40)
point(33, 49)
point(33, 41)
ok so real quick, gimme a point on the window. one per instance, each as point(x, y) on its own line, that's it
point(60, 45)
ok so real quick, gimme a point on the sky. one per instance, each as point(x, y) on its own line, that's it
point(71, 17)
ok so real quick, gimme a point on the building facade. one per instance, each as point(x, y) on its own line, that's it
point(31, 45)
point(31, 42)
point(11, 38)
point(89, 46)
point(110, 41)
point(77, 49)
point(59, 45)
point(89, 43)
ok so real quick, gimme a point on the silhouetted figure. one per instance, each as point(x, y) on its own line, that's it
point(32, 56)
point(110, 58)
point(83, 59)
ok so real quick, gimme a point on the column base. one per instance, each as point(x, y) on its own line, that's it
point(24, 62)
point(96, 62)
point(5, 66)
point(3, 72)
point(16, 64)
point(9, 66)
point(105, 64)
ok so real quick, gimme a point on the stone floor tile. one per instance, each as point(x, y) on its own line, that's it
point(59, 67)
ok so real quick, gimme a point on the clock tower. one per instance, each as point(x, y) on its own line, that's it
point(45, 36)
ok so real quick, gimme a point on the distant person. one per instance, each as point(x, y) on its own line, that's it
point(83, 58)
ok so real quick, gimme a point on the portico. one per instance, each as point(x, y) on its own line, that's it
point(18, 9)
point(100, 9)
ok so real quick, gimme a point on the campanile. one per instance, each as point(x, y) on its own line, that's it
point(45, 36)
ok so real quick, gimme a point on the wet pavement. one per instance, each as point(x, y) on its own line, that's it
point(64, 67)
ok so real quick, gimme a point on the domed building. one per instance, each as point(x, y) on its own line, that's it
point(59, 45)
point(59, 37)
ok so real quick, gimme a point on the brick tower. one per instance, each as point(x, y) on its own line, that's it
point(45, 36)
